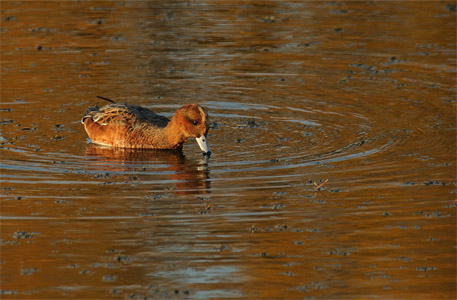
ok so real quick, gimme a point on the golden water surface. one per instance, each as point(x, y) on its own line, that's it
point(362, 94)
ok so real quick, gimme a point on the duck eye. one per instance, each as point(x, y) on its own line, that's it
point(195, 122)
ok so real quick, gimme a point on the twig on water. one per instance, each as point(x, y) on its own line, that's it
point(318, 187)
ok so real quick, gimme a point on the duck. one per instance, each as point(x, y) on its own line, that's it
point(130, 126)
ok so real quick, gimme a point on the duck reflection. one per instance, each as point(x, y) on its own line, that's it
point(154, 167)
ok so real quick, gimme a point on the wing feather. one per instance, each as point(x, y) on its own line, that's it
point(123, 114)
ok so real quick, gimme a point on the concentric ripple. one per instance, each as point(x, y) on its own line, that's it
point(291, 142)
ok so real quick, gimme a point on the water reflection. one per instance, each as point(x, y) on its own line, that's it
point(205, 276)
point(151, 166)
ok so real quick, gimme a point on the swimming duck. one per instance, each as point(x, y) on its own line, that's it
point(131, 126)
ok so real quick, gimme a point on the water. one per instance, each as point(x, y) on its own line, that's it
point(358, 96)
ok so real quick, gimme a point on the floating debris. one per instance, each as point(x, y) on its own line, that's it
point(318, 187)
point(23, 235)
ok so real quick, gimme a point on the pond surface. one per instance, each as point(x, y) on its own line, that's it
point(356, 97)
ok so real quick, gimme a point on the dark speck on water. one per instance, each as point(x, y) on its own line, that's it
point(451, 7)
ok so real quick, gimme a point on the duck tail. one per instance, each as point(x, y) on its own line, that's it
point(106, 99)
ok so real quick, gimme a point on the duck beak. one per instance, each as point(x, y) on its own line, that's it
point(203, 143)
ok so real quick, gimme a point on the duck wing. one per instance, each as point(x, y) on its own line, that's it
point(124, 114)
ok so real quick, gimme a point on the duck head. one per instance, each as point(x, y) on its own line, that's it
point(193, 122)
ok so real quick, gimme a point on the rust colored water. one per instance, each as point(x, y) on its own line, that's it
point(362, 94)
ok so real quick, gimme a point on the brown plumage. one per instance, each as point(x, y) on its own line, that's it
point(130, 126)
